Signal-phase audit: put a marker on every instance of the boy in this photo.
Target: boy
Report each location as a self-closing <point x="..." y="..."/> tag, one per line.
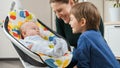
<point x="92" y="50"/>
<point x="33" y="39"/>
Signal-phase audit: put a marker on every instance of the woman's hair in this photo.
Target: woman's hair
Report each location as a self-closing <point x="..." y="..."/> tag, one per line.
<point x="88" y="11"/>
<point x="62" y="1"/>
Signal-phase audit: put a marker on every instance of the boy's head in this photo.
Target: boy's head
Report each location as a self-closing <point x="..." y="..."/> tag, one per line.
<point x="84" y="16"/>
<point x="62" y="1"/>
<point x="29" y="29"/>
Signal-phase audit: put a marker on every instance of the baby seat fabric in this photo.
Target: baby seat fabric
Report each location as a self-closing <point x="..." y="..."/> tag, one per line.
<point x="11" y="28"/>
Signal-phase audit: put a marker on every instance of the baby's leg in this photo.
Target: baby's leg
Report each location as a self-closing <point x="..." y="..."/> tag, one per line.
<point x="61" y="45"/>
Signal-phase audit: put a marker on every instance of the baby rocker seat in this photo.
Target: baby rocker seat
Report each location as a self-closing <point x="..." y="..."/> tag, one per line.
<point x="11" y="27"/>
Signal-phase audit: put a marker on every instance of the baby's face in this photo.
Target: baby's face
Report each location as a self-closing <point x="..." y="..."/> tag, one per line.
<point x="32" y="29"/>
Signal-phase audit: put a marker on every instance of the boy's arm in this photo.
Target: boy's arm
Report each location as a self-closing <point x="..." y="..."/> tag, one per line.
<point x="82" y="53"/>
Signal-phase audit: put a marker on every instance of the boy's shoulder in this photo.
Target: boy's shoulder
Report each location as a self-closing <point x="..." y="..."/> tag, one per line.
<point x="90" y="34"/>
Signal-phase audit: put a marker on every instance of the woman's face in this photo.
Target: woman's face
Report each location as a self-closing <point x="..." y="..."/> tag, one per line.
<point x="62" y="10"/>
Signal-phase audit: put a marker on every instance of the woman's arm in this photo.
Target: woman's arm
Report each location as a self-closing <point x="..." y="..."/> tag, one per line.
<point x="101" y="27"/>
<point x="60" y="27"/>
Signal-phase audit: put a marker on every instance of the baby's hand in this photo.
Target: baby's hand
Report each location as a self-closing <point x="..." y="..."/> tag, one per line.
<point x="60" y="43"/>
<point x="30" y="46"/>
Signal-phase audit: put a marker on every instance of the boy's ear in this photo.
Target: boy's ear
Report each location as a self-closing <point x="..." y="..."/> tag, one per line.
<point x="83" y="21"/>
<point x="71" y="2"/>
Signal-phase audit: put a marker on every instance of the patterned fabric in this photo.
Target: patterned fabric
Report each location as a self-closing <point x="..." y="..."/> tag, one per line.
<point x="17" y="18"/>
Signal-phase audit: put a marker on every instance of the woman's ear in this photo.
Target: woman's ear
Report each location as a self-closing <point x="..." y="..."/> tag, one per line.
<point x="71" y="2"/>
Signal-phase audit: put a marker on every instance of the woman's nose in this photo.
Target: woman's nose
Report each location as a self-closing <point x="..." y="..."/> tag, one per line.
<point x="58" y="15"/>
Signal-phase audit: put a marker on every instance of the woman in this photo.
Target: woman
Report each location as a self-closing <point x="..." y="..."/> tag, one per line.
<point x="62" y="10"/>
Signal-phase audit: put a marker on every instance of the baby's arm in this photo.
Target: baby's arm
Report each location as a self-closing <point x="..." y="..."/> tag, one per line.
<point x="29" y="46"/>
<point x="26" y="44"/>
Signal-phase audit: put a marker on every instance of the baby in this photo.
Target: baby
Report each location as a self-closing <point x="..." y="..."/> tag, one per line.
<point x="33" y="39"/>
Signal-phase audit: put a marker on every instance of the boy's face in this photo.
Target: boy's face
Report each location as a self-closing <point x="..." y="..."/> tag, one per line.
<point x="31" y="29"/>
<point x="77" y="27"/>
<point x="62" y="10"/>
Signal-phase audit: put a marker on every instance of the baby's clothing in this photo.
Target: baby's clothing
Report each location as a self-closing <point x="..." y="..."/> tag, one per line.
<point x="56" y="48"/>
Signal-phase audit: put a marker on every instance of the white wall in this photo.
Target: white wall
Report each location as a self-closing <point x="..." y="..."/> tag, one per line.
<point x="6" y="48"/>
<point x="107" y="5"/>
<point x="5" y="7"/>
<point x="41" y="9"/>
<point x="100" y="5"/>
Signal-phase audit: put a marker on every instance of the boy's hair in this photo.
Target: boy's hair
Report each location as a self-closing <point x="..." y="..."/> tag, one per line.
<point x="88" y="11"/>
<point x="62" y="1"/>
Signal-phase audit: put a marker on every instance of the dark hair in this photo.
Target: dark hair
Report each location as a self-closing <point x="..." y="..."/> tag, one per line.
<point x="88" y="11"/>
<point x="62" y="1"/>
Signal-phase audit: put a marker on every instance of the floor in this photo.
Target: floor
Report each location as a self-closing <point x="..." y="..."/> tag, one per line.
<point x="10" y="63"/>
<point x="15" y="63"/>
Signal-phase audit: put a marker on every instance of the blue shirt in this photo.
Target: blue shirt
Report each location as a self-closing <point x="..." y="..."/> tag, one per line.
<point x="93" y="52"/>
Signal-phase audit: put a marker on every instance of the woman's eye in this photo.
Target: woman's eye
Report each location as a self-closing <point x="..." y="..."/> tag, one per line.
<point x="33" y="28"/>
<point x="59" y="10"/>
